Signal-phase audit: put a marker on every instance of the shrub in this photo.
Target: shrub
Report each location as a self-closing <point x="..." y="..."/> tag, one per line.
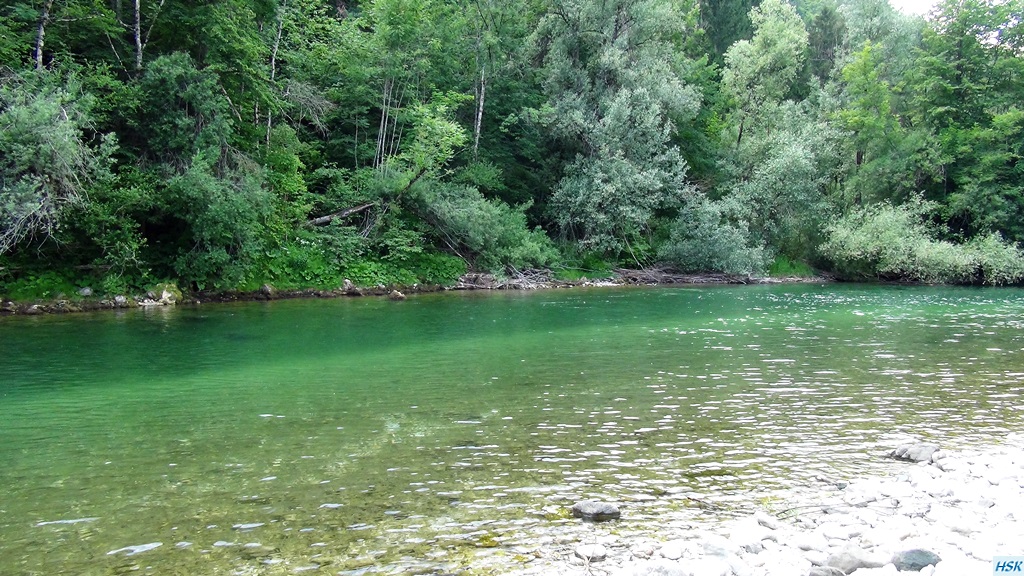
<point x="489" y="232"/>
<point x="703" y="239"/>
<point x="898" y="243"/>
<point x="225" y="212"/>
<point x="998" y="261"/>
<point x="46" y="161"/>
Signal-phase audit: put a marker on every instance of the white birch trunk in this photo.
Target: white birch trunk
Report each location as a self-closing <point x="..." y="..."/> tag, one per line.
<point x="44" y="19"/>
<point x="273" y="62"/>
<point x="481" y="93"/>
<point x="385" y="121"/>
<point x="138" y="35"/>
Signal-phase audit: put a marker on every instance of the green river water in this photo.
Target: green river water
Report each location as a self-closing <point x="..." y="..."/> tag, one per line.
<point x="363" y="436"/>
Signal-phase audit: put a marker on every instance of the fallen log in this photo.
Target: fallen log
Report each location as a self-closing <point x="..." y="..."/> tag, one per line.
<point x="323" y="220"/>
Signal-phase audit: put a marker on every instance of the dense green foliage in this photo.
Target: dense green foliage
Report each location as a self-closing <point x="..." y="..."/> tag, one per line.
<point x="227" y="144"/>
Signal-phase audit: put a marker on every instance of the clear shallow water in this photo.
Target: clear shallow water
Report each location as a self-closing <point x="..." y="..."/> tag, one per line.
<point x="363" y="434"/>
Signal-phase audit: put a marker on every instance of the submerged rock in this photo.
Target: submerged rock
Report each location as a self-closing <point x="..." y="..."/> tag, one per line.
<point x="595" y="511"/>
<point x="71" y="521"/>
<point x="137" y="549"/>
<point x="255" y="550"/>
<point x="396" y="295"/>
<point x="915" y="560"/>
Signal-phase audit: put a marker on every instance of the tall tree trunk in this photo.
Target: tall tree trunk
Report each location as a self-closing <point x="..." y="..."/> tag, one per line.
<point x="396" y="133"/>
<point x="142" y="39"/>
<point x="479" y="110"/>
<point x="273" y="61"/>
<point x="385" y="121"/>
<point x="138" y="35"/>
<point x="44" y="19"/>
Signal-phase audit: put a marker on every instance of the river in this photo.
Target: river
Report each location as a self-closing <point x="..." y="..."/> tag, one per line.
<point x="365" y="436"/>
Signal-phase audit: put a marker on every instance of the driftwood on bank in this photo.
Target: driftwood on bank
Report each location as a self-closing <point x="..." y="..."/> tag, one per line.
<point x="537" y="279"/>
<point x="518" y="280"/>
<point x="669" y="276"/>
<point x="530" y="279"/>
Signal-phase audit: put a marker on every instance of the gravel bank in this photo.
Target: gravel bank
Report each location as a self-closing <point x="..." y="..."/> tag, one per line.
<point x="947" y="515"/>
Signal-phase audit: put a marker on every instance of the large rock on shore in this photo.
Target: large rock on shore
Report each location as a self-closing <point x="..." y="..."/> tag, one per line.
<point x="915" y="452"/>
<point x="351" y="289"/>
<point x="168" y="293"/>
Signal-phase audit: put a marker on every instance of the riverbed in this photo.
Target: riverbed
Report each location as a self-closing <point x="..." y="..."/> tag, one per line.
<point x="453" y="430"/>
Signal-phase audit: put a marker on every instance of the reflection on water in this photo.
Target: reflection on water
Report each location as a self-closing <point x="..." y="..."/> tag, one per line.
<point x="380" y="437"/>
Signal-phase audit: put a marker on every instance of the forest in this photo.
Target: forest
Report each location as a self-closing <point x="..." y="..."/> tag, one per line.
<point x="227" y="144"/>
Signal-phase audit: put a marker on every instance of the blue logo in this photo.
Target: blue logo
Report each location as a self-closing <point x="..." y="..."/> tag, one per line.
<point x="1008" y="565"/>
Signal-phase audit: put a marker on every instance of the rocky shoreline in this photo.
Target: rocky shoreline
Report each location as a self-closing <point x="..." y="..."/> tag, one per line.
<point x="941" y="514"/>
<point x="171" y="295"/>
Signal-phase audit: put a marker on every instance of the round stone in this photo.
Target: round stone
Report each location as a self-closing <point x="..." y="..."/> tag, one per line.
<point x="595" y="511"/>
<point x="591" y="552"/>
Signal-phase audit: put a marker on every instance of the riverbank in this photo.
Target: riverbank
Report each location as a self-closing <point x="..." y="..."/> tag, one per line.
<point x="170" y="295"/>
<point x="947" y="514"/>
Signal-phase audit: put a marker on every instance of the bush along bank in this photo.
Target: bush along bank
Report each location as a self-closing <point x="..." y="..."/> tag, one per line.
<point x="943" y="513"/>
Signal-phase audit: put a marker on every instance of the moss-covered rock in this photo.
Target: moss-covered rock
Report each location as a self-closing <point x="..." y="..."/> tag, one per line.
<point x="167" y="293"/>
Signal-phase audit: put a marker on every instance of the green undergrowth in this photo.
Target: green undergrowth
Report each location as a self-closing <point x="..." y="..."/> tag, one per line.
<point x="297" y="271"/>
<point x="783" y="267"/>
<point x="578" y="266"/>
<point x="37" y="285"/>
<point x="432" y="269"/>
